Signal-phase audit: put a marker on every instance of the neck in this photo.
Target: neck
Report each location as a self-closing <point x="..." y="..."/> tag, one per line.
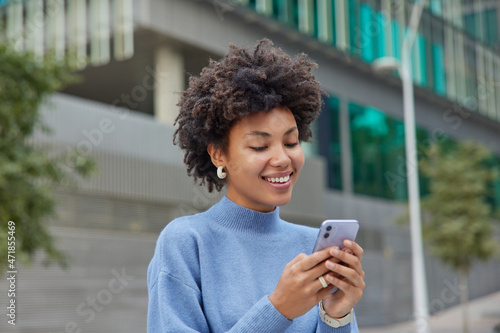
<point x="234" y="216"/>
<point x="237" y="199"/>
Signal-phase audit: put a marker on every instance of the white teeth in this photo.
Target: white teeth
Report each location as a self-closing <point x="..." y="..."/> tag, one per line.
<point x="278" y="180"/>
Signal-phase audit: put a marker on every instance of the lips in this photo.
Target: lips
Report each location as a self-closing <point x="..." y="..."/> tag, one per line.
<point x="278" y="179"/>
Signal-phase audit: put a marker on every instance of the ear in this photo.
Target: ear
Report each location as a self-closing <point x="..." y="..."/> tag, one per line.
<point x="217" y="156"/>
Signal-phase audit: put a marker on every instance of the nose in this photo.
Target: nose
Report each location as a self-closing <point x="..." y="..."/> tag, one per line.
<point x="280" y="158"/>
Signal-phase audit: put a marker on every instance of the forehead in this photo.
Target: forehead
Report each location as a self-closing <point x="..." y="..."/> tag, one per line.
<point x="279" y="119"/>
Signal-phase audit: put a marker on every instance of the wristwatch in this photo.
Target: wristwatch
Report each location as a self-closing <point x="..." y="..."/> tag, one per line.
<point x="332" y="321"/>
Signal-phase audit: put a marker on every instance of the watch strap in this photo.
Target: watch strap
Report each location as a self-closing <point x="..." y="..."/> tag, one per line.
<point x="334" y="322"/>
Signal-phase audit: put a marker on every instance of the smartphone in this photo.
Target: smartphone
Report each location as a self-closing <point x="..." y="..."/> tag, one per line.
<point x="334" y="232"/>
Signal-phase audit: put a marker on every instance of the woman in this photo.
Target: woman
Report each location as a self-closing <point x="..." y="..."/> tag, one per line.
<point x="238" y="267"/>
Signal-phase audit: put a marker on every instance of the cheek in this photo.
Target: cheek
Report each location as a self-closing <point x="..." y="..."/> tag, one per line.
<point x="298" y="159"/>
<point x="245" y="164"/>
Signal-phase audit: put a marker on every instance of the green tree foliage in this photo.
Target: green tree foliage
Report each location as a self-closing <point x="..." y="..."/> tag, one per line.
<point x="457" y="219"/>
<point x="28" y="174"/>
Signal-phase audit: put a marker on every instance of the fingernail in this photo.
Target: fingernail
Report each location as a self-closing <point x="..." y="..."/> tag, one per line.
<point x="348" y="251"/>
<point x="330" y="265"/>
<point x="335" y="251"/>
<point x="348" y="243"/>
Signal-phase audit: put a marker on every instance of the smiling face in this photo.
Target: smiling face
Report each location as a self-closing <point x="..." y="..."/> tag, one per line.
<point x="263" y="161"/>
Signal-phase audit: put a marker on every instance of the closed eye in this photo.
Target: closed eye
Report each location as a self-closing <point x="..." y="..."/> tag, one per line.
<point x="258" y="148"/>
<point x="291" y="144"/>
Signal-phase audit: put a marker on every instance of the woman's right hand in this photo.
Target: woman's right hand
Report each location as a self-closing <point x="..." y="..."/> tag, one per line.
<point x="298" y="289"/>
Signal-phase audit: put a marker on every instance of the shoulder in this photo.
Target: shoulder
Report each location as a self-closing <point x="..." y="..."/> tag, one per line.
<point x="180" y="238"/>
<point x="177" y="247"/>
<point x="181" y="231"/>
<point x="177" y="251"/>
<point x="183" y="225"/>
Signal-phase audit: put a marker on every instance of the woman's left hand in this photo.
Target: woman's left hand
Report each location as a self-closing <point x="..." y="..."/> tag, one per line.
<point x="348" y="276"/>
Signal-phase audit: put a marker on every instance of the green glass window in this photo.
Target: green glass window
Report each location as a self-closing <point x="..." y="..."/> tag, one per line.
<point x="437" y="51"/>
<point x="494" y="191"/>
<point x="470" y="67"/>
<point x="438" y="69"/>
<point x="491" y="27"/>
<point x="396" y="45"/>
<point x="470" y="24"/>
<point x="423" y="60"/>
<point x="354" y="32"/>
<point x="329" y="141"/>
<point x="286" y="12"/>
<point x="382" y="23"/>
<point x="307" y="17"/>
<point x="378" y="154"/>
<point x="496" y="186"/>
<point x="419" y="61"/>
<point x="334" y="28"/>
<point x="435" y="6"/>
<point x="366" y="35"/>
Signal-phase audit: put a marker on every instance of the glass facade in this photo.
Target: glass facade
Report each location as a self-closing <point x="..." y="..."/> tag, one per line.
<point x="483" y="25"/>
<point x="378" y="153"/>
<point x="377" y="149"/>
<point x="454" y="51"/>
<point x="453" y="56"/>
<point x="81" y="30"/>
<point x="328" y="129"/>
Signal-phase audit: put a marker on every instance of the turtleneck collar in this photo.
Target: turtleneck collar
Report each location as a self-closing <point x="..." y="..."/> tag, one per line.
<point x="234" y="216"/>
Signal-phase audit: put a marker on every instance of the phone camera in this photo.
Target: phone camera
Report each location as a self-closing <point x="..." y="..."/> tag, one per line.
<point x="326" y="235"/>
<point x="329" y="228"/>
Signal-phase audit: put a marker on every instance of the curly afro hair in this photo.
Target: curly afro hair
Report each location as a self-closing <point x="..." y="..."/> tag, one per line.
<point x="244" y="81"/>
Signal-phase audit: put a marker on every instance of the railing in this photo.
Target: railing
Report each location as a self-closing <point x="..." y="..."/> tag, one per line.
<point x="446" y="59"/>
<point x="84" y="29"/>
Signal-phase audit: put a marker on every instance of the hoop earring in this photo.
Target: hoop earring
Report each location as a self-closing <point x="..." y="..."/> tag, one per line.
<point x="220" y="173"/>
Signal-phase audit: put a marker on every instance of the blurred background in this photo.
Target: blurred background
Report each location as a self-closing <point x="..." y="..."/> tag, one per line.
<point x="133" y="56"/>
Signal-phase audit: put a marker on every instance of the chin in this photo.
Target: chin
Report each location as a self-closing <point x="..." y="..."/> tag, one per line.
<point x="282" y="201"/>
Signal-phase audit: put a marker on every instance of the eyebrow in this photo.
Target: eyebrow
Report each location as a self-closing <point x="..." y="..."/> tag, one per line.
<point x="267" y="135"/>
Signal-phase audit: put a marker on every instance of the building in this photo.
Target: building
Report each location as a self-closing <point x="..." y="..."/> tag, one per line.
<point x="136" y="54"/>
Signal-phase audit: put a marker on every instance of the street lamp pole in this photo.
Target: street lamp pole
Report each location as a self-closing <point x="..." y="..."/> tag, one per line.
<point x="418" y="267"/>
<point x="420" y="301"/>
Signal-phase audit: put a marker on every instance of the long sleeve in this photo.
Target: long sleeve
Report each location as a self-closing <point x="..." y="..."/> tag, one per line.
<point x="214" y="272"/>
<point x="175" y="301"/>
<point x="180" y="310"/>
<point x="176" y="308"/>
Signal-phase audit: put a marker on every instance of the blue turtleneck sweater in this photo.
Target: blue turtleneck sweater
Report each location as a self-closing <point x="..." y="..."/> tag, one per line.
<point x="214" y="272"/>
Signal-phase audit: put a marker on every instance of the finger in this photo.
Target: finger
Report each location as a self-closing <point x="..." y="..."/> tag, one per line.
<point x="348" y="289"/>
<point x="297" y="259"/>
<point x="354" y="247"/>
<point x="323" y="292"/>
<point x="349" y="259"/>
<point x="314" y="259"/>
<point x="347" y="274"/>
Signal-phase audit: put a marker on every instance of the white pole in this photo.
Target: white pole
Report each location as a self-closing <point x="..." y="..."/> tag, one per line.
<point x="418" y="267"/>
